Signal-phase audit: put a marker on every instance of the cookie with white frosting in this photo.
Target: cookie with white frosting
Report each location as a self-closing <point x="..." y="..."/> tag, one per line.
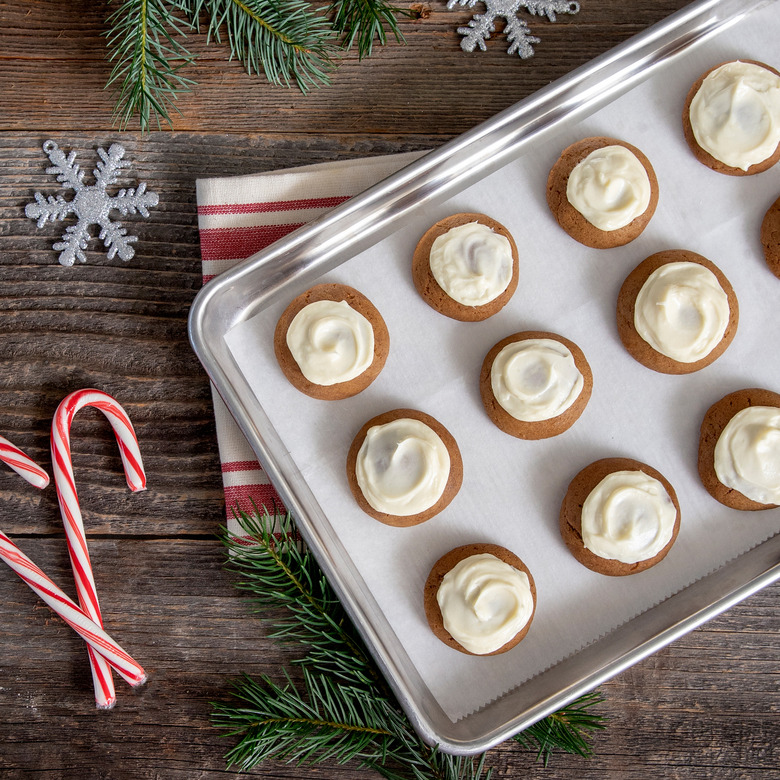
<point x="677" y="312"/>
<point x="480" y="599"/>
<point x="466" y="267"/>
<point x="404" y="467"/>
<point x="535" y="384"/>
<point x="602" y="192"/>
<point x="770" y="237"/>
<point x="731" y="118"/>
<point x="619" y="516"/>
<point x="739" y="449"/>
<point x="331" y="342"/>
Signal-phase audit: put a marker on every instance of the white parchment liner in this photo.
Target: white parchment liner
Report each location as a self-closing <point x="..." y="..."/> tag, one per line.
<point x="512" y="489"/>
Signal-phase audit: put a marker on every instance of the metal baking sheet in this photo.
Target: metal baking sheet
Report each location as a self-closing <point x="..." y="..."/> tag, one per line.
<point x="297" y="261"/>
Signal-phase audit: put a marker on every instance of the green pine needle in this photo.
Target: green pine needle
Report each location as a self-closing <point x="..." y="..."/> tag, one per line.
<point x="342" y="710"/>
<point x="365" y="21"/>
<point x="147" y="60"/>
<point x="291" y="42"/>
<point x="567" y="730"/>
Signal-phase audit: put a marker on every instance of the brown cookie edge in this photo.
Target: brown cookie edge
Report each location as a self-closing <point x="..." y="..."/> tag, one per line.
<point x="445" y="564"/>
<point x="454" y="481"/>
<point x="570" y="518"/>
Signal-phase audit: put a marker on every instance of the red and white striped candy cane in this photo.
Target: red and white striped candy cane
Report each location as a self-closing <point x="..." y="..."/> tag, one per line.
<point x="71" y="512"/>
<point x="75" y="617"/>
<point x="23" y="465"/>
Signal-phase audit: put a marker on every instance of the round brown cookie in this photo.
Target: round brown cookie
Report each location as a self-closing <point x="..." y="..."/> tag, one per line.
<point x="571" y="515"/>
<point x="454" y="480"/>
<point x="636" y="345"/>
<point x="705" y="157"/>
<point x="770" y="237"/>
<point x="361" y="304"/>
<point x="448" y="562"/>
<point x="571" y="220"/>
<point x="715" y="420"/>
<point x="542" y="429"/>
<point x="430" y="290"/>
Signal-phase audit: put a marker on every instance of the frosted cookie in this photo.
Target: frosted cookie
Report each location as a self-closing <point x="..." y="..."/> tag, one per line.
<point x="535" y="384"/>
<point x="602" y="192"/>
<point x="676" y="312"/>
<point x="331" y="342"/>
<point x="739" y="449"/>
<point x="404" y="467"/>
<point x="770" y="237"/>
<point x="480" y="599"/>
<point x="619" y="516"/>
<point x="731" y="118"/>
<point x="466" y="267"/>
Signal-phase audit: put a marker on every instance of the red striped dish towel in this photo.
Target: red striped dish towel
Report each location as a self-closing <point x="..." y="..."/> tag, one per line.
<point x="240" y="215"/>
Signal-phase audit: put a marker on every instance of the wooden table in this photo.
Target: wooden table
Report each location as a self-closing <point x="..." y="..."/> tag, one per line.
<point x="707" y="706"/>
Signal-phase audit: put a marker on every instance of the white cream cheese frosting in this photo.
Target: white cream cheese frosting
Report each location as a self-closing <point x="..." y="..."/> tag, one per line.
<point x="747" y="454"/>
<point x="402" y="467"/>
<point x="535" y="379"/>
<point x="484" y="602"/>
<point x="472" y="263"/>
<point x="735" y="114"/>
<point x="331" y="342"/>
<point x="610" y="187"/>
<point x="628" y="517"/>
<point x="682" y="311"/>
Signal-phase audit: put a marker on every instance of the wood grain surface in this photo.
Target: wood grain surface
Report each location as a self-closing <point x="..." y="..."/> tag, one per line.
<point x="705" y="707"/>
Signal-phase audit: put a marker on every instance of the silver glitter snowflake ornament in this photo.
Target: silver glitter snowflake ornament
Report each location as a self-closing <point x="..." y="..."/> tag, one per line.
<point x="92" y="204"/>
<point x="517" y="31"/>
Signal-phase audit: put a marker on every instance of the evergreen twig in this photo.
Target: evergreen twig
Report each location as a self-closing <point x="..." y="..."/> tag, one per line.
<point x="342" y="709"/>
<point x="292" y="42"/>
<point x="144" y="43"/>
<point x="365" y="21"/>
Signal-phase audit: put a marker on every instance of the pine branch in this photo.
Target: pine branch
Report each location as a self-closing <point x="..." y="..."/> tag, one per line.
<point x="290" y="42"/>
<point x="281" y="572"/>
<point x="365" y="21"/>
<point x="147" y="60"/>
<point x="567" y="730"/>
<point x="344" y="710"/>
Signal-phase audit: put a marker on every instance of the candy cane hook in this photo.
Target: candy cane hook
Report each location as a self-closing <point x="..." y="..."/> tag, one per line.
<point x="64" y="481"/>
<point x="22" y="464"/>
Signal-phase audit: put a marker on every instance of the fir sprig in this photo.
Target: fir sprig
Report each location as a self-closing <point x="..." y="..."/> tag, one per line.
<point x="292" y="42"/>
<point x="144" y="42"/>
<point x="364" y="21"/>
<point x="341" y="710"/>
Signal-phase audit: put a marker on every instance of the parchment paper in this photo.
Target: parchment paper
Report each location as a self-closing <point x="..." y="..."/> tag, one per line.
<point x="512" y="489"/>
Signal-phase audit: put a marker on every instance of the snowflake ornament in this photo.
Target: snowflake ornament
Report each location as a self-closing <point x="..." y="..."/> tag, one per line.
<point x="517" y="31"/>
<point x="92" y="204"/>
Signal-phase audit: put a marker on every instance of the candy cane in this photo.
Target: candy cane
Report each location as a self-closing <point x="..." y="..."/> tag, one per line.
<point x="22" y="465"/>
<point x="71" y="512"/>
<point x="75" y="617"/>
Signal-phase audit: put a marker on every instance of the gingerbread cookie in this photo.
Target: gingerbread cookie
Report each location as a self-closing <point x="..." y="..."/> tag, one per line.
<point x="677" y="312"/>
<point x="535" y="384"/>
<point x="619" y="516"/>
<point x="404" y="467"/>
<point x="331" y="342"/>
<point x="506" y="608"/>
<point x="466" y="267"/>
<point x="737" y="463"/>
<point x="770" y="237"/>
<point x="726" y="116"/>
<point x="602" y="192"/>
